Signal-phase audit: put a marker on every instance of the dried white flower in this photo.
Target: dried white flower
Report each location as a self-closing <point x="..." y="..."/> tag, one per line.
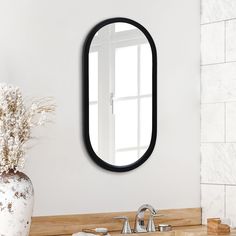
<point x="16" y="122"/>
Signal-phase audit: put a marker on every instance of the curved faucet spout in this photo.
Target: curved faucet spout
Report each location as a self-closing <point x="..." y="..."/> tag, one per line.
<point x="145" y="207"/>
<point x="139" y="219"/>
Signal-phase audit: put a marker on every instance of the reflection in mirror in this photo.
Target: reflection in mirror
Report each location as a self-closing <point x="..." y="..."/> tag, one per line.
<point x="120" y="94"/>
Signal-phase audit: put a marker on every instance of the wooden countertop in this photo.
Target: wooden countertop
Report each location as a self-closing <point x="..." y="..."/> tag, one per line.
<point x="65" y="225"/>
<point x="199" y="230"/>
<point x="185" y="222"/>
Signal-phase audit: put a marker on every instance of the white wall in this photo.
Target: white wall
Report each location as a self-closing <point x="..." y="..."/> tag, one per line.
<point x="41" y="43"/>
<point x="218" y="66"/>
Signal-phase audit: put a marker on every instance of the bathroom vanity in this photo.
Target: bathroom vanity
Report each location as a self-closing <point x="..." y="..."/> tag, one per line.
<point x="185" y="222"/>
<point x="199" y="230"/>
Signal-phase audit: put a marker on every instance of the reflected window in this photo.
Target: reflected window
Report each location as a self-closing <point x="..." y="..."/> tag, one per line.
<point x="120" y="90"/>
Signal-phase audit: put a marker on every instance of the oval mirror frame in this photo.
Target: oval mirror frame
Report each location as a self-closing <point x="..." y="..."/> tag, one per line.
<point x="85" y="87"/>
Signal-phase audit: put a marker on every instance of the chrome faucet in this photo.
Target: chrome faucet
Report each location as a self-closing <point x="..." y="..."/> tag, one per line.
<point x="139" y="226"/>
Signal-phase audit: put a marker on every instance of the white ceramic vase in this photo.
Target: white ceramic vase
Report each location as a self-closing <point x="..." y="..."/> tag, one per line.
<point x="16" y="204"/>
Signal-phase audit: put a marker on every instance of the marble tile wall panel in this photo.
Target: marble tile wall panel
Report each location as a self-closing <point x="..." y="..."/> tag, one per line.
<point x="217" y="10"/>
<point x="212" y="43"/>
<point x="212" y="201"/>
<point x="230" y="116"/>
<point x="230" y="37"/>
<point x="218" y="163"/>
<point x="218" y="83"/>
<point x="230" y="204"/>
<point x="213" y="122"/>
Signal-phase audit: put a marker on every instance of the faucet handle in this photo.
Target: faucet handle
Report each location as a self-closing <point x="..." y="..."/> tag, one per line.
<point x="151" y="224"/>
<point x="126" y="226"/>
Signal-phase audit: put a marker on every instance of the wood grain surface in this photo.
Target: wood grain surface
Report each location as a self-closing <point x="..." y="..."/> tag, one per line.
<point x="68" y="224"/>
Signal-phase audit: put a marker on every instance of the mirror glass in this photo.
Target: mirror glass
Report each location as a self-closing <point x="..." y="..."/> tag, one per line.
<point x="120" y="89"/>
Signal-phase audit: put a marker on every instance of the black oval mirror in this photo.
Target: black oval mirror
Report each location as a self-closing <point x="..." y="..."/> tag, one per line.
<point x="120" y="94"/>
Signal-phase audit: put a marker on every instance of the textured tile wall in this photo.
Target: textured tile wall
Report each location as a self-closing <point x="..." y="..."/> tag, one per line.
<point x="218" y="109"/>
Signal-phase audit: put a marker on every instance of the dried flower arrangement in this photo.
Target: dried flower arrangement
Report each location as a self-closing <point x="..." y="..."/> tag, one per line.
<point x="16" y="123"/>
